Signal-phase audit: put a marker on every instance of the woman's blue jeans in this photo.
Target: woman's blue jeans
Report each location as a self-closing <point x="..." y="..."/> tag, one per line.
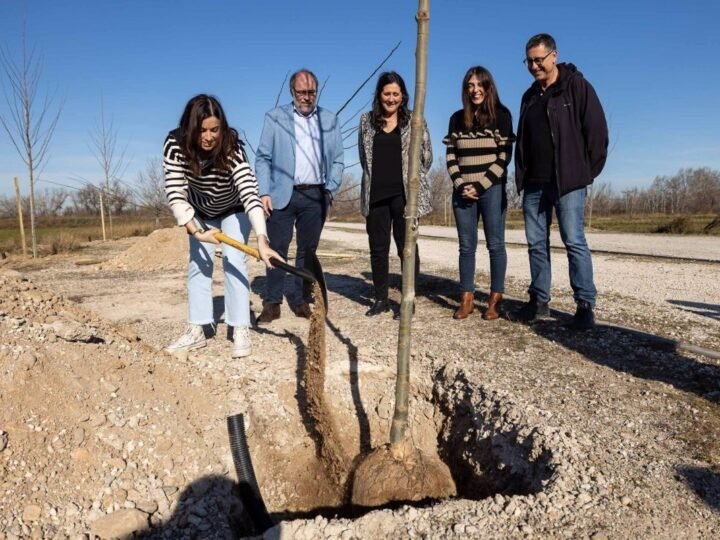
<point x="492" y="206"/>
<point x="538" y="203"/>
<point x="200" y="271"/>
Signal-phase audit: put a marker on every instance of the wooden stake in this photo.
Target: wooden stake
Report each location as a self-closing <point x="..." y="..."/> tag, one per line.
<point x="20" y="217"/>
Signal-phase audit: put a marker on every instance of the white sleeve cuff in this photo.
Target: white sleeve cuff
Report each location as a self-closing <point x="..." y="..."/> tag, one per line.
<point x="257" y="219"/>
<point x="183" y="213"/>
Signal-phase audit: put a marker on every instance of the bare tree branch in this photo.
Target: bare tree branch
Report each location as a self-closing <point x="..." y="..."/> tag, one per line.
<point x="369" y="77"/>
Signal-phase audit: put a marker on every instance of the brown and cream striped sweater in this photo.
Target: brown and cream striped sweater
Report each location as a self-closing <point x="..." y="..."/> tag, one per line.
<point x="479" y="156"/>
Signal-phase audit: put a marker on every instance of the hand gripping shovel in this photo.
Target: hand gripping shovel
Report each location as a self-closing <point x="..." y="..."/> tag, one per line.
<point x="311" y="273"/>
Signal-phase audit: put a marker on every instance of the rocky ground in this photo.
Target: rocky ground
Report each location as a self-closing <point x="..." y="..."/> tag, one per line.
<point x="547" y="432"/>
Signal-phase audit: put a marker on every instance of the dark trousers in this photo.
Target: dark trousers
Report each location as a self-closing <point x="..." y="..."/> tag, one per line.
<point x="386" y="216"/>
<point x="305" y="212"/>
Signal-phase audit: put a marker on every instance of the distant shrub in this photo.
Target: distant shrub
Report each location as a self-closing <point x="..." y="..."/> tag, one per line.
<point x="679" y="225"/>
<point x="62" y="243"/>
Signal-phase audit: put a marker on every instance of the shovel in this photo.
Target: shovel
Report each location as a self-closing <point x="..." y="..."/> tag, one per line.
<point x="311" y="274"/>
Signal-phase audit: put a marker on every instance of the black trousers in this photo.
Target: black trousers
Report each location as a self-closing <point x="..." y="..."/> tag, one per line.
<point x="384" y="217"/>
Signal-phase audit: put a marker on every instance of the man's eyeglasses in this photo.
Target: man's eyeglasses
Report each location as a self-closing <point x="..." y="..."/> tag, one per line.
<point x="537" y="61"/>
<point x="305" y="93"/>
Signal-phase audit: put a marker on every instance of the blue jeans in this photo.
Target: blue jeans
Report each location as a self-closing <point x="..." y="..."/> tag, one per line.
<point x="200" y="270"/>
<point x="538" y="203"/>
<point x="306" y="213"/>
<point x="492" y="206"/>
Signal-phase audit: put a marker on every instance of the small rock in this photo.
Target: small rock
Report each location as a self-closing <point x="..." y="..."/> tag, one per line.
<point x="120" y="524"/>
<point x="626" y="501"/>
<point x="149" y="507"/>
<point x="31" y="512"/>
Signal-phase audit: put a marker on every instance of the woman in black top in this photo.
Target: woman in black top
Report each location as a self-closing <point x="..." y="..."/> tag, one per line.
<point x="384" y="144"/>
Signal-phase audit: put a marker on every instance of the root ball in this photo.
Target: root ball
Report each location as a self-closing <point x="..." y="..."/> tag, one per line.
<point x="400" y="473"/>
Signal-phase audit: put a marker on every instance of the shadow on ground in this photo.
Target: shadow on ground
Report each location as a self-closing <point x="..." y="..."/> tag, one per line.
<point x="635" y="353"/>
<point x="712" y="311"/>
<point x="705" y="482"/>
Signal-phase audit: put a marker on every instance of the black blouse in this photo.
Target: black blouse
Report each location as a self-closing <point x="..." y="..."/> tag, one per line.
<point x="386" y="181"/>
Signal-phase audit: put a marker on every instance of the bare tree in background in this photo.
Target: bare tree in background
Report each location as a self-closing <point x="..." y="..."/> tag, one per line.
<point x="112" y="162"/>
<point x="346" y="204"/>
<point x="440" y="193"/>
<point x="151" y="189"/>
<point x="514" y="199"/>
<point x="86" y="200"/>
<point x="30" y="123"/>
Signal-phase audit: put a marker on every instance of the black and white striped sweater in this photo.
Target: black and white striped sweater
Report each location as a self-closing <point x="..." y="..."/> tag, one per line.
<point x="479" y="156"/>
<point x="213" y="193"/>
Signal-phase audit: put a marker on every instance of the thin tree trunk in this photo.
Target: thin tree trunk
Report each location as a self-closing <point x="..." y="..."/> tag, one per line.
<point x="18" y="200"/>
<point x="102" y="216"/>
<point x="399" y="426"/>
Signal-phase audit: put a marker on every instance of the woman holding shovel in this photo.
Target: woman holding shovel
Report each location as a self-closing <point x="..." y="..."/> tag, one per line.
<point x="479" y="147"/>
<point x="211" y="188"/>
<point x="384" y="144"/>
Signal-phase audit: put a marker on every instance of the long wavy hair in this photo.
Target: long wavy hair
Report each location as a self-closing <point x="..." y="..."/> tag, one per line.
<point x="200" y="108"/>
<point x="390" y="77"/>
<point x="485" y="114"/>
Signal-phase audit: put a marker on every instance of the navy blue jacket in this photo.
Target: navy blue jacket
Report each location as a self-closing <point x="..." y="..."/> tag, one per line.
<point x="578" y="127"/>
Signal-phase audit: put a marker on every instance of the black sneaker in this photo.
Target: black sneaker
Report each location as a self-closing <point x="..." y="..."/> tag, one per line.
<point x="378" y="307"/>
<point x="530" y="312"/>
<point x="584" y="318"/>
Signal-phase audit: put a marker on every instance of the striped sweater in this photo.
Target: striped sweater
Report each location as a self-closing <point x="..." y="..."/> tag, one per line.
<point x="479" y="156"/>
<point x="213" y="193"/>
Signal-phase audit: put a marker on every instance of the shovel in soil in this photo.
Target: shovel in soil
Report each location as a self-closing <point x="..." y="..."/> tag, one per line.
<point x="312" y="272"/>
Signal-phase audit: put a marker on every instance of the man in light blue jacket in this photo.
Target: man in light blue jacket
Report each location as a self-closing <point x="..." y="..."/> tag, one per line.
<point x="299" y="165"/>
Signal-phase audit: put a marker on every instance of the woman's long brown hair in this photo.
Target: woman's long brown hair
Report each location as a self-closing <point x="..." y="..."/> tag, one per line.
<point x="485" y="114"/>
<point x="200" y="108"/>
<point x="390" y="77"/>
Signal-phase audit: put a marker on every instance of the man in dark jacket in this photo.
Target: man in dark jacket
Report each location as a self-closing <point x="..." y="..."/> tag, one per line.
<point x="561" y="148"/>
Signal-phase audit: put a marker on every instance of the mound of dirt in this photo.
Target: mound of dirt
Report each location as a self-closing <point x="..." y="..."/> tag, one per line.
<point x="164" y="249"/>
<point x="94" y="435"/>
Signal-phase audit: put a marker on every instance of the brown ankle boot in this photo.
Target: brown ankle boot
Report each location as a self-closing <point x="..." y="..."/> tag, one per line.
<point x="466" y="305"/>
<point x="493" y="310"/>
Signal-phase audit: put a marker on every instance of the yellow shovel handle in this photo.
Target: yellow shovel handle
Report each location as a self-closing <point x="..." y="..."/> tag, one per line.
<point x="220" y="237"/>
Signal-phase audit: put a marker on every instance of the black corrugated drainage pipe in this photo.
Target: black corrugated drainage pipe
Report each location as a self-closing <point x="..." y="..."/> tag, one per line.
<point x="249" y="490"/>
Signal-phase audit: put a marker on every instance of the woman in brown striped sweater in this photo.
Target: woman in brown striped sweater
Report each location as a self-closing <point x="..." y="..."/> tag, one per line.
<point x="479" y="148"/>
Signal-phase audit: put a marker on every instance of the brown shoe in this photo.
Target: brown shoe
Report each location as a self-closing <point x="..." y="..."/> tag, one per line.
<point x="269" y="313"/>
<point x="493" y="309"/>
<point x="303" y="310"/>
<point x="466" y="305"/>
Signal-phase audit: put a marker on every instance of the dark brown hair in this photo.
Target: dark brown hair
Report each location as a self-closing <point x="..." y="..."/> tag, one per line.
<point x="485" y="114"/>
<point x="198" y="109"/>
<point x="390" y="77"/>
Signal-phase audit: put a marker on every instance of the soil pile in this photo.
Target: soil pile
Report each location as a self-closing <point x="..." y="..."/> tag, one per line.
<point x="164" y="249"/>
<point x="93" y="433"/>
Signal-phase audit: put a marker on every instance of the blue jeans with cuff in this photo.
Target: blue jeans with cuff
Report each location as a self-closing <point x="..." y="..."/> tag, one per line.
<point x="200" y="271"/>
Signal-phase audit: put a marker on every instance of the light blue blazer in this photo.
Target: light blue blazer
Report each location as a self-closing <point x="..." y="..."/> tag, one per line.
<point x="275" y="156"/>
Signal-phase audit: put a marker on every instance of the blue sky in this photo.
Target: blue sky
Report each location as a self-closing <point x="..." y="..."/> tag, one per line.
<point x="653" y="63"/>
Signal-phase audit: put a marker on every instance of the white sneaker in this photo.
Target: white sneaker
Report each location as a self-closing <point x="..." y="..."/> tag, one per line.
<point x="193" y="338"/>
<point x="241" y="342"/>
